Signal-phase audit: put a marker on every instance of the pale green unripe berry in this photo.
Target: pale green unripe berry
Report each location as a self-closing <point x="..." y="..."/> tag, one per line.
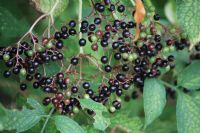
<point x="86" y="96"/>
<point x="112" y="109"/>
<point x="125" y="55"/>
<point x="93" y="38"/>
<point x="23" y="72"/>
<point x="6" y="57"/>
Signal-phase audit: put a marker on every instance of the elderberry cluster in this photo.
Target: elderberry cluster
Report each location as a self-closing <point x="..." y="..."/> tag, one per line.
<point x="123" y="63"/>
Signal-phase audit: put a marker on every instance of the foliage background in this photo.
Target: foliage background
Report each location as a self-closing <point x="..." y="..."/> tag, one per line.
<point x="17" y="16"/>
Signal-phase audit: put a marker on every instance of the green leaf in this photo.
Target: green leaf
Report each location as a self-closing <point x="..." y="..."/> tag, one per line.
<point x="24" y="119"/>
<point x="100" y="122"/>
<point x="51" y="68"/>
<point x="35" y="105"/>
<point x="187" y="114"/>
<point x="67" y="125"/>
<point x="8" y="24"/>
<point x="154" y="100"/>
<point x="189" y="77"/>
<point x="188" y="18"/>
<point x="46" y="5"/>
<point x="182" y="59"/>
<point x="130" y="124"/>
<point x="159" y="126"/>
<point x="90" y="129"/>
<point x="170" y="11"/>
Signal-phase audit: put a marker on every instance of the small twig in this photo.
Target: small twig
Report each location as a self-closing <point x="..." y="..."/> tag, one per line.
<point x="169" y="85"/>
<point x="94" y="62"/>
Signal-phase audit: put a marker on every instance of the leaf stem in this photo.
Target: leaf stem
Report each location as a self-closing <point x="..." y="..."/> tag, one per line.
<point x="169" y="85"/>
<point x="47" y="119"/>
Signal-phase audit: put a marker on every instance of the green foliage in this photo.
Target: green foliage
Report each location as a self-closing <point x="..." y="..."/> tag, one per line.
<point x="22" y="120"/>
<point x="131" y="124"/>
<point x="15" y="19"/>
<point x="154" y="100"/>
<point x="182" y="59"/>
<point x="187" y="114"/>
<point x="46" y="5"/>
<point x="196" y="96"/>
<point x="8" y="26"/>
<point x="170" y="8"/>
<point x="67" y="125"/>
<point x="100" y="122"/>
<point x="90" y="129"/>
<point x="189" y="77"/>
<point x="188" y="17"/>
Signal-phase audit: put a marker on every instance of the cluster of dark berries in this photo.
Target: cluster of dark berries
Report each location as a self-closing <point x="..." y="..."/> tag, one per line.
<point x="124" y="62"/>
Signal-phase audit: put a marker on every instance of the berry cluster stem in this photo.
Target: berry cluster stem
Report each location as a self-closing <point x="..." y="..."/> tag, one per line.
<point x="38" y="20"/>
<point x="79" y="20"/>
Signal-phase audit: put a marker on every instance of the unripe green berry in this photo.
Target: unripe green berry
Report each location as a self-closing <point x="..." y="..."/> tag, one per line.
<point x="49" y="45"/>
<point x="130" y="58"/>
<point x="135" y="56"/>
<point x="152" y="60"/>
<point x="125" y="55"/>
<point x="119" y="99"/>
<point x="30" y="53"/>
<point x="167" y="68"/>
<point x="166" y="50"/>
<point x="39" y="48"/>
<point x="93" y="38"/>
<point x="6" y="57"/>
<point x="68" y="93"/>
<point x="140" y="44"/>
<point x="75" y="110"/>
<point x="143" y="35"/>
<point x="23" y="72"/>
<point x="112" y="109"/>
<point x="86" y="96"/>
<point x="172" y="48"/>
